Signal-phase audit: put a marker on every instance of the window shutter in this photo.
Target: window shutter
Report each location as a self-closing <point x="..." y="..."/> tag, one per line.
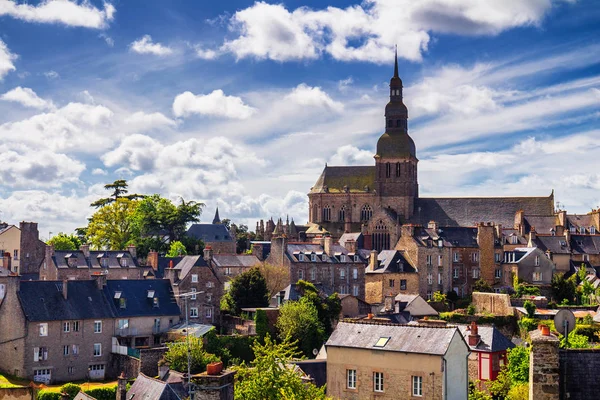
<point x="36" y="354"/>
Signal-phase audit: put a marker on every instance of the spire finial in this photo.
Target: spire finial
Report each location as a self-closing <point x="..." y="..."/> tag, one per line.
<point x="396" y="63"/>
<point x="216" y="219"/>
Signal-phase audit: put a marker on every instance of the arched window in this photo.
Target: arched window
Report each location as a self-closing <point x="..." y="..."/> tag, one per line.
<point x="316" y="213"/>
<point x="366" y="213"/>
<point x="326" y="214"/>
<point x="397" y="169"/>
<point x="381" y="237"/>
<point x="399" y="123"/>
<point x="388" y="170"/>
<point x="390" y="123"/>
<point x="342" y="214"/>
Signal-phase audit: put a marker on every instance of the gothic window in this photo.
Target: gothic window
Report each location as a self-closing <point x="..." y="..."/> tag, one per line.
<point x="397" y="169"/>
<point x="390" y="123"/>
<point x="366" y="213"/>
<point x="316" y="214"/>
<point x="342" y="214"/>
<point x="388" y="170"/>
<point x="326" y="214"/>
<point x="381" y="237"/>
<point x="399" y="123"/>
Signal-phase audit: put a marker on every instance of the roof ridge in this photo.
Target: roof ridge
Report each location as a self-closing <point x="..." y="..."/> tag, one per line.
<point x="152" y="379"/>
<point x="381" y="323"/>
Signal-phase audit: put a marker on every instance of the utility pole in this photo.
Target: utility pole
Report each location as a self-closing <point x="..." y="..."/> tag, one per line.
<point x="186" y="296"/>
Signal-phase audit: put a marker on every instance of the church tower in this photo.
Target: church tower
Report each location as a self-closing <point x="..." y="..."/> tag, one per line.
<point x="396" y="160"/>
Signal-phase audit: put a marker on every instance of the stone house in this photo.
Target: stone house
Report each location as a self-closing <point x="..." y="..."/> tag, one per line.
<point x="323" y="262"/>
<point x="84" y="263"/>
<point x="228" y="266"/>
<point x="24" y="246"/>
<point x="389" y="273"/>
<point x="530" y="264"/>
<point x="194" y="276"/>
<point x="368" y="360"/>
<point x="215" y="235"/>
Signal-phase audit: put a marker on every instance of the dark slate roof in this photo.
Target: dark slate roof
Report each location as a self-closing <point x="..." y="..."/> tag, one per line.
<point x="585" y="244"/>
<point x="459" y="236"/>
<point x="44" y="301"/>
<point x="164" y="263"/>
<point x="542" y="223"/>
<point x="64" y="259"/>
<point x="297" y="248"/>
<point x="316" y="369"/>
<point x="265" y="248"/>
<point x="584" y="221"/>
<point x="138" y="304"/>
<point x="520" y="254"/>
<point x="188" y="262"/>
<point x="292" y="294"/>
<point x="210" y="233"/>
<point x="579" y="374"/>
<point x="34" y="276"/>
<point x="235" y="260"/>
<point x="492" y="340"/>
<point x="356" y="178"/>
<point x="403" y="338"/>
<point x="556" y="244"/>
<point x="469" y="211"/>
<point x="413" y="304"/>
<point x="146" y="388"/>
<point x="391" y="261"/>
<point x="356" y="236"/>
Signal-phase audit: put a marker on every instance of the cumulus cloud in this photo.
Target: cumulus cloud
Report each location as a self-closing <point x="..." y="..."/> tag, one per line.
<point x="205" y="54"/>
<point x="351" y="155"/>
<point x="51" y="74"/>
<point x="27" y="98"/>
<point x="369" y="31"/>
<point x="99" y="171"/>
<point x="109" y="41"/>
<point x="305" y="95"/>
<point x="215" y="104"/>
<point x="66" y="12"/>
<point x="145" y="45"/>
<point x="142" y="121"/>
<point x="6" y="60"/>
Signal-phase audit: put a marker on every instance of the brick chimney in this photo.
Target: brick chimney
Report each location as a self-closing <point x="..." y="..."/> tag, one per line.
<point x="121" y="387"/>
<point x="100" y="279"/>
<point x="327" y="242"/>
<point x="372" y="261"/>
<point x="152" y="259"/>
<point x="214" y="387"/>
<point x="278" y="249"/>
<point x="544" y="366"/>
<point x="474" y="337"/>
<point x="351" y="246"/>
<point x="85" y="249"/>
<point x="132" y="250"/>
<point x="432" y="225"/>
<point x="389" y="302"/>
<point x="65" y="289"/>
<point x="208" y="253"/>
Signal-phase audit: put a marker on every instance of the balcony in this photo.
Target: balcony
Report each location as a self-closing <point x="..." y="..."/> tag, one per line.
<point x="129" y="331"/>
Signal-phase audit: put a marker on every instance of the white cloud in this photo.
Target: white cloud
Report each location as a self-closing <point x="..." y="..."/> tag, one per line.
<point x="145" y="45"/>
<point x="109" y="41"/>
<point x="215" y="103"/>
<point x="136" y="152"/>
<point x="99" y="171"/>
<point x="6" y="60"/>
<point x="51" y="74"/>
<point x="142" y="121"/>
<point x="66" y="12"/>
<point x="27" y="98"/>
<point x="351" y="155"/>
<point x="344" y="84"/>
<point x="305" y="95"/>
<point x="205" y="54"/>
<point x="274" y="32"/>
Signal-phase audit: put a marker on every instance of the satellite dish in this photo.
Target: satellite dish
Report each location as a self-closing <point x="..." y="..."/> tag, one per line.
<point x="315" y="352"/>
<point x="564" y="322"/>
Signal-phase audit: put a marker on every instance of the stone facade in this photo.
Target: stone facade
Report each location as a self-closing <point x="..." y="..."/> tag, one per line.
<point x="377" y="286"/>
<point x="493" y="303"/>
<point x="544" y="368"/>
<point x="32" y="248"/>
<point x="214" y="387"/>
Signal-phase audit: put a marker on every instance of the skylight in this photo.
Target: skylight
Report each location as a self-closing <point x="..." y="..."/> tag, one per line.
<point x="382" y="341"/>
<point x="117" y="295"/>
<point x="150" y="294"/>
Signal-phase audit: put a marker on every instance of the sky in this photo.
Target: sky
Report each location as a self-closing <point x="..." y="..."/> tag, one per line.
<point x="240" y="104"/>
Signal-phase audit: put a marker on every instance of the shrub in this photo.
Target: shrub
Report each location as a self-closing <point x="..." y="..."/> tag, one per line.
<point x="471" y="309"/>
<point x="48" y="395"/>
<point x="262" y="324"/>
<point x="71" y="389"/>
<point x="530" y="308"/>
<point x="230" y="349"/>
<point x="527" y="325"/>
<point x="103" y="393"/>
<point x="519" y="392"/>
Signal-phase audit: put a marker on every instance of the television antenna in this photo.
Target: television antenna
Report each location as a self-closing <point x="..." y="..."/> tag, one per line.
<point x="564" y="322"/>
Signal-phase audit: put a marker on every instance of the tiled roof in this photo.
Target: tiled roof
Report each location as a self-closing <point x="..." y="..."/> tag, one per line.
<point x="492" y="340"/>
<point x="413" y="304"/>
<point x="543" y="224"/>
<point x="65" y="259"/>
<point x="469" y="211"/>
<point x="83" y="396"/>
<point x="210" y="233"/>
<point x="235" y="260"/>
<point x="44" y="301"/>
<point x="391" y="261"/>
<point x="146" y="388"/>
<point x="402" y="338"/>
<point x="139" y="297"/>
<point x="292" y="294"/>
<point x="460" y="236"/>
<point x="585" y="244"/>
<point x="164" y="263"/>
<point x="356" y="178"/>
<point x="584" y="221"/>
<point x="556" y="244"/>
<point x="520" y="254"/>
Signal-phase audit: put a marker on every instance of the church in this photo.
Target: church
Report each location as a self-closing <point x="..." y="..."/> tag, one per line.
<point x="379" y="199"/>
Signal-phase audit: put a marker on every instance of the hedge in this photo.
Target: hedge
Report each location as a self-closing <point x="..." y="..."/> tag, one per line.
<point x="498" y="320"/>
<point x="103" y="393"/>
<point x="48" y="395"/>
<point x="230" y="349"/>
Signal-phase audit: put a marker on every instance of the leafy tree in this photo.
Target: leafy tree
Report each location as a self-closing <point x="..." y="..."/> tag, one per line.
<point x="119" y="191"/>
<point x="110" y="227"/>
<point x="249" y="289"/>
<point x="439" y="297"/>
<point x="481" y="285"/>
<point x="62" y="241"/>
<point x="269" y="378"/>
<point x="518" y="364"/>
<point x="262" y="324"/>
<point x="177" y="249"/>
<point x="476" y="394"/>
<point x="587" y="290"/>
<point x="530" y="308"/>
<point x="562" y="289"/>
<point x="299" y="321"/>
<point x="328" y="308"/>
<point x="242" y="235"/>
<point x="177" y="355"/>
<point x="277" y="277"/>
<point x="70" y="389"/>
<point x="576" y="341"/>
<point x="519" y="392"/>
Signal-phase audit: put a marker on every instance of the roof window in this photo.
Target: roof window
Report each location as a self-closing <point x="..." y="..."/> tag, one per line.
<point x="382" y="341"/>
<point x="118" y="295"/>
<point x="150" y="294"/>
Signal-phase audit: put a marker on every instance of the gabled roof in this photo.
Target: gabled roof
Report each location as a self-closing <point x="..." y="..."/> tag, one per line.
<point x="391" y="261"/>
<point x="61" y="259"/>
<point x="469" y="211"/>
<point x="146" y="388"/>
<point x="583" y="221"/>
<point x="354" y="236"/>
<point x="139" y="297"/>
<point x="492" y="340"/>
<point x="585" y="244"/>
<point x="210" y="233"/>
<point x="235" y="260"/>
<point x="402" y="338"/>
<point x="291" y="292"/>
<point x="555" y="244"/>
<point x="334" y="179"/>
<point x="413" y="304"/>
<point x="164" y="263"/>
<point x="520" y="254"/>
<point x="83" y="396"/>
<point x="543" y="224"/>
<point x="44" y="301"/>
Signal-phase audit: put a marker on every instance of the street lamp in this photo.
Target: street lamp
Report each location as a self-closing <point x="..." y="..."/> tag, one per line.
<point x="186" y="296"/>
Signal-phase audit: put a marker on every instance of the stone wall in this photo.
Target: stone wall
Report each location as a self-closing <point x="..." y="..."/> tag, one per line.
<point x="23" y="393"/>
<point x="494" y="303"/>
<point x="377" y="285"/>
<point x="32" y="249"/>
<point x="579" y="373"/>
<point x="126" y="364"/>
<point x="543" y="367"/>
<point x="149" y="359"/>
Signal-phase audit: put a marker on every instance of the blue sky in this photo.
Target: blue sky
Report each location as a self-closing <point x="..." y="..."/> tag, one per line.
<point x="241" y="104"/>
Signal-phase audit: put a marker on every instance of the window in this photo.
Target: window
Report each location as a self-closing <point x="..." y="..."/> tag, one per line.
<point x="356" y="258"/>
<point x="208" y="312"/>
<point x="497" y="257"/>
<point x="227" y="271"/>
<point x="439" y="278"/>
<point x="498" y="273"/>
<point x="343" y="258"/>
<point x="123" y="323"/>
<point x="514" y="239"/>
<point x="537" y="261"/>
<point x="313" y="257"/>
<point x="193" y="312"/>
<point x="392" y="282"/>
<point x="429" y="260"/>
<point x="75" y="326"/>
<point x="586" y="257"/>
<point x="397" y="169"/>
<point x="378" y="381"/>
<point x="391" y="121"/>
<point x="455" y="273"/>
<point x="475" y="256"/>
<point x="582" y="230"/>
<point x="97" y="326"/>
<point x="193" y="295"/>
<point x="122" y="302"/>
<point x="300" y="274"/>
<point x="388" y="170"/>
<point x="355" y="290"/>
<point x="402" y="284"/>
<point x="66" y="327"/>
<point x="326" y="213"/>
<point x="342" y="214"/>
<point x="44" y="329"/>
<point x="123" y="262"/>
<point x="75" y="349"/>
<point x="66" y="350"/>
<point x="194" y="278"/>
<point x="440" y="261"/>
<point x="209" y="284"/>
<point x="97" y="349"/>
<point x="475" y="273"/>
<point x="343" y="289"/>
<point x="104" y="262"/>
<point x="300" y="257"/>
<point x="440" y="243"/>
<point x="313" y="274"/>
<point x="343" y="273"/>
<point x="324" y="257"/>
<point x="16" y="255"/>
<point x="351" y="378"/>
<point x="537" y="276"/>
<point x="355" y="273"/>
<point x="429" y="279"/>
<point x="592" y="231"/>
<point x="429" y="295"/>
<point x="366" y="213"/>
<point x="40" y="353"/>
<point x="71" y="370"/>
<point x="455" y="255"/>
<point x="417" y="386"/>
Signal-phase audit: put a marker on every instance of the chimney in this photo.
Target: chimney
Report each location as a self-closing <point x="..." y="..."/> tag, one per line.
<point x="498" y="231"/>
<point x="208" y="253"/>
<point x="65" y="288"/>
<point x="100" y="279"/>
<point x="152" y="259"/>
<point x="372" y="261"/>
<point x="163" y="370"/>
<point x="85" y="249"/>
<point x="327" y="245"/>
<point x="49" y="251"/>
<point x="351" y="246"/>
<point x="532" y="233"/>
<point x="389" y="303"/>
<point x="520" y="222"/>
<point x="278" y="249"/>
<point x="562" y="218"/>
<point x="121" y="387"/>
<point x="474" y="336"/>
<point x="407" y="230"/>
<point x="432" y="225"/>
<point x="132" y="250"/>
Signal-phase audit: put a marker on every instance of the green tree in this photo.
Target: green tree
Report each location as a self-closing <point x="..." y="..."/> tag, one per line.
<point x="119" y="191"/>
<point x="519" y="392"/>
<point x="562" y="289"/>
<point x="587" y="289"/>
<point x="439" y="297"/>
<point x="177" y="249"/>
<point x="262" y="324"/>
<point x="110" y="227"/>
<point x="476" y="394"/>
<point x="70" y="389"/>
<point x="576" y="341"/>
<point x="328" y="307"/>
<point x="269" y="378"/>
<point x="518" y="364"/>
<point x="62" y="241"/>
<point x="249" y="289"/>
<point x="481" y="285"/>
<point x="177" y="355"/>
<point x="299" y="321"/>
<point x="530" y="308"/>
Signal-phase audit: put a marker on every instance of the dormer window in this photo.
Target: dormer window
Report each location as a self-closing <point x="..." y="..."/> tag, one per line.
<point x="440" y="243"/>
<point x="573" y="230"/>
<point x="301" y="257"/>
<point x="592" y="230"/>
<point x="104" y="262"/>
<point x="324" y="257"/>
<point x="118" y="295"/>
<point x="514" y="239"/>
<point x="150" y="294"/>
<point x="582" y="230"/>
<point x="343" y="258"/>
<point x="123" y="262"/>
<point x="155" y="302"/>
<point x="356" y="258"/>
<point x="72" y="261"/>
<point x="313" y="257"/>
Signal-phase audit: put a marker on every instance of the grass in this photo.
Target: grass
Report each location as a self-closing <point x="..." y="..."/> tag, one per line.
<point x="84" y="385"/>
<point x="7" y="381"/>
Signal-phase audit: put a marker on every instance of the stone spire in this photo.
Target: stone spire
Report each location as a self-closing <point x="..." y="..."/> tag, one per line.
<point x="216" y="219"/>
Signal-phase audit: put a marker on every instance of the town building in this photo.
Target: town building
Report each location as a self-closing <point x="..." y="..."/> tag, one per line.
<point x="368" y="360"/>
<point x="529" y="264"/>
<point x="215" y="235"/>
<point x="389" y="273"/>
<point x="24" y="247"/>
